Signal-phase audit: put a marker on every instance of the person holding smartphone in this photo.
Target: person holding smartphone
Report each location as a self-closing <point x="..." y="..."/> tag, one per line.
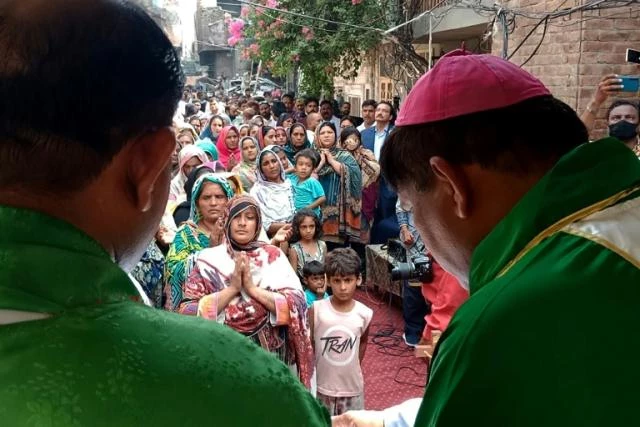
<point x="622" y="115"/>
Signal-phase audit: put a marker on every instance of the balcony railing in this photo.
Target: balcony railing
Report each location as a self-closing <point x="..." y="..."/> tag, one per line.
<point x="432" y="4"/>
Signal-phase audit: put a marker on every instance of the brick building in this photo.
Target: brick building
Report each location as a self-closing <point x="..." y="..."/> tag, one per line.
<point x="576" y="51"/>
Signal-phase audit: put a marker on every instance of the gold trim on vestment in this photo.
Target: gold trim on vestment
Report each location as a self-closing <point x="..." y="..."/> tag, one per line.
<point x="559" y="225"/>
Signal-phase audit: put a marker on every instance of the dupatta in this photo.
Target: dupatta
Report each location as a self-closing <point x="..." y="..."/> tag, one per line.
<point x="270" y="270"/>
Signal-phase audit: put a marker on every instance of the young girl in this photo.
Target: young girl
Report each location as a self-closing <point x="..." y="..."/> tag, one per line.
<point x="307" y="229"/>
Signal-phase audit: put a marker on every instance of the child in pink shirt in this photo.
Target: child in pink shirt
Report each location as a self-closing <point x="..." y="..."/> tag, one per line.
<point x="339" y="328"/>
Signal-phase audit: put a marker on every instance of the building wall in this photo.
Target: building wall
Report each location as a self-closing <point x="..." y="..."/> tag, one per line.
<point x="365" y="85"/>
<point x="576" y="51"/>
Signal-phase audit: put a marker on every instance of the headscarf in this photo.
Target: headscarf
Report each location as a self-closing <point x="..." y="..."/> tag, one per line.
<point x="216" y="166"/>
<point x="208" y="147"/>
<point x="263" y="131"/>
<point x="195" y="215"/>
<point x="176" y="192"/>
<point x="280" y="128"/>
<point x="182" y="211"/>
<point x="224" y="153"/>
<point x="247" y="170"/>
<point x="235" y="207"/>
<point x="289" y="149"/>
<point x="283" y="117"/>
<point x="232" y="178"/>
<point x="207" y="132"/>
<point x="275" y="199"/>
<point x="187" y="129"/>
<point x="242" y="127"/>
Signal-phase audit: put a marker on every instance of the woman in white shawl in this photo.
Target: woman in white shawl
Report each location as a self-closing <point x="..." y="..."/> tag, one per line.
<point x="273" y="191"/>
<point x="189" y="158"/>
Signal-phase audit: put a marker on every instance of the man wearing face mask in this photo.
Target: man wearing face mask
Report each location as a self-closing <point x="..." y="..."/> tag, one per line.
<point x="622" y="115"/>
<point x="542" y="228"/>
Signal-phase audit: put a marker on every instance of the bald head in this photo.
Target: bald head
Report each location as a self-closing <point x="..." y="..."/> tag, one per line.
<point x="78" y="79"/>
<point x="313" y="120"/>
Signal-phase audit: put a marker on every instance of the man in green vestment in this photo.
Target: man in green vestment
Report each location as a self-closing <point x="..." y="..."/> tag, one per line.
<point x="543" y="229"/>
<point x="88" y="90"/>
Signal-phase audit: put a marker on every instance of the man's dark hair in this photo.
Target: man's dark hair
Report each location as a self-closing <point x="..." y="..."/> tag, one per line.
<point x="308" y="153"/>
<point x="346" y="103"/>
<point x="59" y="55"/>
<point x="313" y="268"/>
<point x="369" y="103"/>
<point x="620" y="102"/>
<point x="342" y="262"/>
<point x="290" y="95"/>
<point x="393" y="110"/>
<point x="310" y="99"/>
<point x="326" y="101"/>
<point x="190" y="109"/>
<point x="527" y="137"/>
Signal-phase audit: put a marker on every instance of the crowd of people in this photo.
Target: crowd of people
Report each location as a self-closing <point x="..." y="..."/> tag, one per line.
<point x="539" y="226"/>
<point x="265" y="228"/>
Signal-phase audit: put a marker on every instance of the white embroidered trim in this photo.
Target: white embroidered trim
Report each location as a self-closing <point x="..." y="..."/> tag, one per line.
<point x="617" y="228"/>
<point x="8" y="317"/>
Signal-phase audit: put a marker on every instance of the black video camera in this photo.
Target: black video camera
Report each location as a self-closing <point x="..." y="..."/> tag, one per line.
<point x="419" y="268"/>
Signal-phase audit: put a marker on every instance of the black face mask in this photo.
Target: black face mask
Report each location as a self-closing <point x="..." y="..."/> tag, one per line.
<point x="623" y="130"/>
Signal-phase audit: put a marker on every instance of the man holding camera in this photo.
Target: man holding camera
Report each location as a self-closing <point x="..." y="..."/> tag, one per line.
<point x="543" y="230"/>
<point x="438" y="297"/>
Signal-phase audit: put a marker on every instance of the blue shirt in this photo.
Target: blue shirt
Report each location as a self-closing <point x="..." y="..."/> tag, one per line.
<point x="306" y="192"/>
<point x="312" y="297"/>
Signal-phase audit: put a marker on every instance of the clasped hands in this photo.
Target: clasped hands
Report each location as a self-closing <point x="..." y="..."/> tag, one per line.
<point x="241" y="277"/>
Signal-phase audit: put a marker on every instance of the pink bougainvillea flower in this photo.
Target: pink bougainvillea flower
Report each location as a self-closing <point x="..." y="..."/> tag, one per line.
<point x="259" y="11"/>
<point x="355" y="2"/>
<point x="233" y="41"/>
<point x="272" y="3"/>
<point x="295" y="57"/>
<point x="236" y="27"/>
<point x="307" y="33"/>
<point x="244" y="11"/>
<point x="254" y="48"/>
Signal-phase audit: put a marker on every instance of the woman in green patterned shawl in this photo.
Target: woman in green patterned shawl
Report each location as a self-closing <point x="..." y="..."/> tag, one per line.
<point x="341" y="179"/>
<point x="208" y="201"/>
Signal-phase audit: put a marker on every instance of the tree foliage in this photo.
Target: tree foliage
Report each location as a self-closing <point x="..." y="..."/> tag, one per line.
<point x="319" y="49"/>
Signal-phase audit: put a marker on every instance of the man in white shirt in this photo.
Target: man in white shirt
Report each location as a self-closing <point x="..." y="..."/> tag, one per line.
<point x="373" y="138"/>
<point x="368" y="114"/>
<point x="313" y="120"/>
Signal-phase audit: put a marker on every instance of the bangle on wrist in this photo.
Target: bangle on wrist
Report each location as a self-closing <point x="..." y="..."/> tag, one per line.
<point x="591" y="108"/>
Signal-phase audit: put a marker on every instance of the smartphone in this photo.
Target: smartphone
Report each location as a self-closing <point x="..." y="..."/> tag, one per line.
<point x="633" y="56"/>
<point x="630" y="83"/>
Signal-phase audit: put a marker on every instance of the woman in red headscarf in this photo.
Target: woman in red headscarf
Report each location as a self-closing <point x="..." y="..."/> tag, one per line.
<point x="228" y="147"/>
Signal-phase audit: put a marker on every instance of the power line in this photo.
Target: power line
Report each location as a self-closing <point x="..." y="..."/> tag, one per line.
<point x="415" y="18"/>
<point x="503" y="15"/>
<point x="300" y="15"/>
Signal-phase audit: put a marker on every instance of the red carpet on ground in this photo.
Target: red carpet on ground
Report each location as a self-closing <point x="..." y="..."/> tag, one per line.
<point x="392" y="374"/>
